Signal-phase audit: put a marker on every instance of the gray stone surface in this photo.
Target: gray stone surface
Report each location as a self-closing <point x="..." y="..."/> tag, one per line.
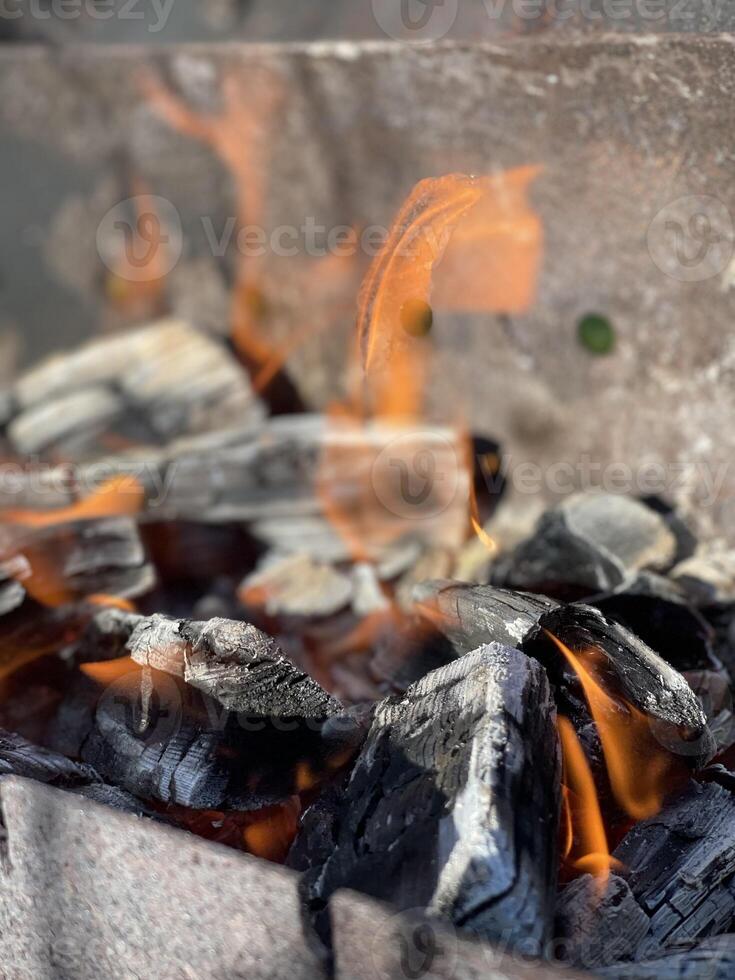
<point x="623" y="128"/>
<point x="373" y="942"/>
<point x="87" y="892"/>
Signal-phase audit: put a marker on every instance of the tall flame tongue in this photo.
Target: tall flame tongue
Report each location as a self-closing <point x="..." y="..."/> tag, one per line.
<point x="640" y="770"/>
<point x="585" y="846"/>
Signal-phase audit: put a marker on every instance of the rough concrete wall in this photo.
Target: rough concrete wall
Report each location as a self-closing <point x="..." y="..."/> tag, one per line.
<point x="625" y="130"/>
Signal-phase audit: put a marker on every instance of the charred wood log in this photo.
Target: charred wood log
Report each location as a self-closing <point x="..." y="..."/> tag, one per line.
<point x="273" y="476"/>
<point x="629" y="669"/>
<point x="590" y="543"/>
<point x="712" y="959"/>
<point x="147" y="386"/>
<point x="470" y="615"/>
<point x="230" y="662"/>
<point x="19" y="757"/>
<point x="599" y="923"/>
<point x="160" y="739"/>
<point x="447" y="808"/>
<point x="67" y="562"/>
<point x="681" y="868"/>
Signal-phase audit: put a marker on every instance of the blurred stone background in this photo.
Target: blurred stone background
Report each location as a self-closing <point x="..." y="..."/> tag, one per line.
<point x="625" y="129"/>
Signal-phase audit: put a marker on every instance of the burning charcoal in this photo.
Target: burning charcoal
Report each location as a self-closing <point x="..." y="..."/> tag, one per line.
<point x="632" y="670"/>
<point x="664" y="621"/>
<point x="150" y="386"/>
<point x="66" y="562"/>
<point x="368" y="595"/>
<point x="447" y="807"/>
<point x="589" y="543"/>
<point x="160" y="739"/>
<point x="49" y="572"/>
<point x="317" y="835"/>
<point x="599" y="923"/>
<point x="233" y="663"/>
<point x="681" y="867"/>
<point x="471" y="615"/>
<point x="296" y="585"/>
<point x="274" y="476"/>
<point x="712" y="959"/>
<point x="22" y="758"/>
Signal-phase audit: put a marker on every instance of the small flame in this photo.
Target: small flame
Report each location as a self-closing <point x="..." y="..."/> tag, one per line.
<point x="586" y="848"/>
<point x="640" y="770"/>
<point x="119" y="496"/>
<point x="106" y="672"/>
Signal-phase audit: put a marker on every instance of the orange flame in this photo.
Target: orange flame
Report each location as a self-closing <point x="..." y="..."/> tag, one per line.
<point x="119" y="496"/>
<point x="492" y="262"/>
<point x="235" y="134"/>
<point x="640" y="770"/>
<point x="394" y="315"/>
<point x="586" y="848"/>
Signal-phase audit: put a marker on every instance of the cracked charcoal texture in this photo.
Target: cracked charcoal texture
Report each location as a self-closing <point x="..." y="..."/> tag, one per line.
<point x="447" y="808"/>
<point x="233" y="662"/>
<point x="682" y="867"/>
<point x="630" y="667"/>
<point x="470" y="615"/>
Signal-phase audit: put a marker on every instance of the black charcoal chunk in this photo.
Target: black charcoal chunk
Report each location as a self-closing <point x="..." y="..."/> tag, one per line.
<point x="470" y="615"/>
<point x="712" y="959"/>
<point x="681" y="867"/>
<point x="599" y="923"/>
<point x="232" y="662"/>
<point x="630" y="669"/>
<point x="589" y="543"/>
<point x="447" y="808"/>
<point x="19" y="757"/>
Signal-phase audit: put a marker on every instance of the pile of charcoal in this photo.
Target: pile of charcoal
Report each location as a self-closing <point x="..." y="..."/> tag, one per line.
<point x="204" y="650"/>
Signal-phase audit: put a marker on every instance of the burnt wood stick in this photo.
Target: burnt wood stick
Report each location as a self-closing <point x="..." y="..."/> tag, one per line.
<point x="712" y="959"/>
<point x="470" y="615"/>
<point x="20" y="757"/>
<point x="231" y="662"/>
<point x="447" y="807"/>
<point x="630" y="668"/>
<point x="272" y="476"/>
<point x="145" y="386"/>
<point x="681" y="867"/>
<point x="161" y="739"/>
